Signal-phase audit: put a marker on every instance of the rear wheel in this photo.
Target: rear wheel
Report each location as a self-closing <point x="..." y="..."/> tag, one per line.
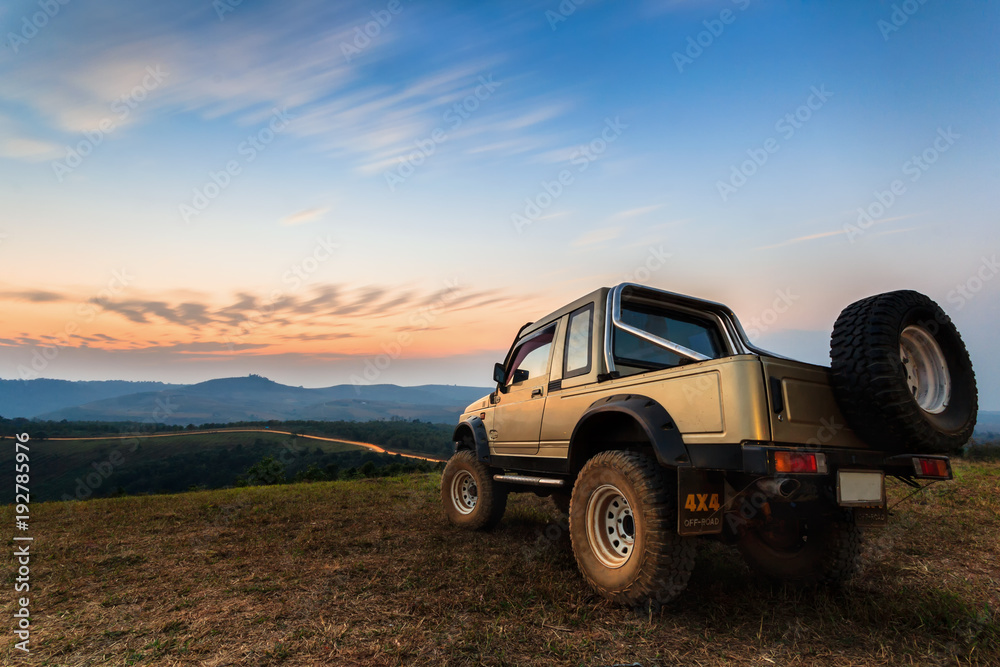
<point x="622" y="523"/>
<point x="804" y="552"/>
<point x="471" y="498"/>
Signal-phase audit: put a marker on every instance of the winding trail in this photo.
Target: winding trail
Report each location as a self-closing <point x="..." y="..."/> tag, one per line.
<point x="366" y="445"/>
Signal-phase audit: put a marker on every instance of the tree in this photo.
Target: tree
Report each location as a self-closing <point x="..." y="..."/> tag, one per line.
<point x="266" y="471"/>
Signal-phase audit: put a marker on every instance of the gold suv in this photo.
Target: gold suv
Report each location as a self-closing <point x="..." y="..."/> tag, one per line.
<point x="650" y="418"/>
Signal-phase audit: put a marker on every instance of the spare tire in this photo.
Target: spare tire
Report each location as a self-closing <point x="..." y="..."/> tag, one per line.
<point x="902" y="376"/>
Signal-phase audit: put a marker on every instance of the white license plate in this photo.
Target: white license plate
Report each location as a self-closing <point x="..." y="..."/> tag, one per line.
<point x="860" y="488"/>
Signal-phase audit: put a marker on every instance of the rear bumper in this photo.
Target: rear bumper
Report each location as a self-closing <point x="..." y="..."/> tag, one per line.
<point x="758" y="459"/>
<point x="747" y="478"/>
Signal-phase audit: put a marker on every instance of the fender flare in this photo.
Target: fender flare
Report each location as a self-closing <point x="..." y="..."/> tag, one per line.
<point x="653" y="418"/>
<point x="480" y="439"/>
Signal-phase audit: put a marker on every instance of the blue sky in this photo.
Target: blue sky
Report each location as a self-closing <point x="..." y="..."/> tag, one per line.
<point x="281" y="193"/>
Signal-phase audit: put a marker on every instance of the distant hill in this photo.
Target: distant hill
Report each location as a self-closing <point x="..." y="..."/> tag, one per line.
<point x="252" y="398"/>
<point x="988" y="423"/>
<point x="30" y="398"/>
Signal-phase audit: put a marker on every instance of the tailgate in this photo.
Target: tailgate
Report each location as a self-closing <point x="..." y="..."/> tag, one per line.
<point x="803" y="409"/>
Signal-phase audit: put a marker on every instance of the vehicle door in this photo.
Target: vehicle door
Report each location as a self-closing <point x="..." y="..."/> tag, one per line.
<point x="517" y="421"/>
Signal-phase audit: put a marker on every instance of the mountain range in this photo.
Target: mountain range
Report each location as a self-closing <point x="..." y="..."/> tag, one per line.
<point x="252" y="398"/>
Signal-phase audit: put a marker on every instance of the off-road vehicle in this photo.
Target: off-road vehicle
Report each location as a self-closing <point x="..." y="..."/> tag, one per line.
<point x="651" y="418"/>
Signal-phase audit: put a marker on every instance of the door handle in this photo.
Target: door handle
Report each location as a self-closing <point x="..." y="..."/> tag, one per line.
<point x="537" y="391"/>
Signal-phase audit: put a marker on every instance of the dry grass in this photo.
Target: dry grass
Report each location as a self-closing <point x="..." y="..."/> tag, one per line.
<point x="369" y="573"/>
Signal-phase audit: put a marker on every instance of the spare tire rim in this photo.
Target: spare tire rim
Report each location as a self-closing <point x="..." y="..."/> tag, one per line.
<point x="610" y="526"/>
<point x="464" y="493"/>
<point x="926" y="369"/>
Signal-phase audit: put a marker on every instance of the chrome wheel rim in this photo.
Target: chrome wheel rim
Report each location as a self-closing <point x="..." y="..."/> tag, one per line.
<point x="611" y="526"/>
<point x="464" y="492"/>
<point x="927" y="374"/>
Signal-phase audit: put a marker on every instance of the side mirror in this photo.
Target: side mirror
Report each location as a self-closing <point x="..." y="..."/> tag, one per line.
<point x="499" y="375"/>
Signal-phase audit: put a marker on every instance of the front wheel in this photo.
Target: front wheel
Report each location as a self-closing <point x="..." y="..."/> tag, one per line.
<point x="471" y="498"/>
<point x="804" y="552"/>
<point x="622" y="523"/>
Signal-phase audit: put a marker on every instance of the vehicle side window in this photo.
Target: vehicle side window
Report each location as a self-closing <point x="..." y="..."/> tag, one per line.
<point x="531" y="358"/>
<point x="700" y="335"/>
<point x="579" y="339"/>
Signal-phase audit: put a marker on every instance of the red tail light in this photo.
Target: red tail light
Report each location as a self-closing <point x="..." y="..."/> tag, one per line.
<point x="799" y="462"/>
<point x="937" y="468"/>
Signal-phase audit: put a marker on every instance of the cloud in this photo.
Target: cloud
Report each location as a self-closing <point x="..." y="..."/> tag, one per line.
<point x="361" y="110"/>
<point x="327" y="305"/>
<point x="314" y="337"/>
<point x="529" y="118"/>
<point x="33" y="150"/>
<point x="633" y="212"/>
<point x="257" y="58"/>
<point x="836" y="232"/>
<point x="551" y="216"/>
<point x="598" y="236"/>
<point x="188" y="314"/>
<point x="511" y="146"/>
<point x="34" y="296"/>
<point x="303" y="216"/>
<point x="557" y="155"/>
<point x="800" y="239"/>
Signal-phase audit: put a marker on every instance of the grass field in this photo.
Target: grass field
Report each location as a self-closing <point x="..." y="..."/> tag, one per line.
<point x="369" y="573"/>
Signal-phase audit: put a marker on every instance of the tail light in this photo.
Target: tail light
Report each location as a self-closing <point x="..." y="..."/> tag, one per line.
<point x="800" y="462"/>
<point x="931" y="468"/>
